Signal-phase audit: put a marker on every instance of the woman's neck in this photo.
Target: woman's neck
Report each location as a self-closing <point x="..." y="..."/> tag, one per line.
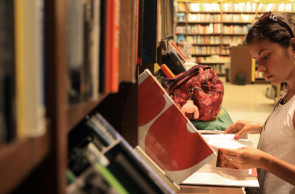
<point x="289" y="94"/>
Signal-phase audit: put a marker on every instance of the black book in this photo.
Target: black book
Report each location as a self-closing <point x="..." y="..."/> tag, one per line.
<point x="174" y="62"/>
<point x="7" y="73"/>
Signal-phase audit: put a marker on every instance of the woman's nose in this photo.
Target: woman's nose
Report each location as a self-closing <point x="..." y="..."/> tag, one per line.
<point x="261" y="68"/>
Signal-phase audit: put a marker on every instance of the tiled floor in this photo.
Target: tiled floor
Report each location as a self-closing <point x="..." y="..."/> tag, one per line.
<point x="247" y="102"/>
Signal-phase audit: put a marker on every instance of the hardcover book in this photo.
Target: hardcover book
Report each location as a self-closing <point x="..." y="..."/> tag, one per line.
<point x="166" y="135"/>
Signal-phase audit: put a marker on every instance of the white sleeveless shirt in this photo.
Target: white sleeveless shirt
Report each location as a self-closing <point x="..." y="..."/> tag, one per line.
<point x="278" y="139"/>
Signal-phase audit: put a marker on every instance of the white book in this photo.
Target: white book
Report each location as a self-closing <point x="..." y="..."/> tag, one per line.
<point x="209" y="174"/>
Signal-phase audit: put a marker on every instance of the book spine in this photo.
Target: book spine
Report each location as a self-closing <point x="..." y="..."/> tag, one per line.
<point x="20" y="67"/>
<point x="101" y="130"/>
<point x="95" y="42"/>
<point x="75" y="42"/>
<point x="7" y="73"/>
<point x="167" y="71"/>
<point x="172" y="43"/>
<point x="34" y="88"/>
<point x="112" y="45"/>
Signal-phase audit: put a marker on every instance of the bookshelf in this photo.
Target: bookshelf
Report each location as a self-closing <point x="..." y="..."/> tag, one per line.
<point x="38" y="164"/>
<point x="214" y="27"/>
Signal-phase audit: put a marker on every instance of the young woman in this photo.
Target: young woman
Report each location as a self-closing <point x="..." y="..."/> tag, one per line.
<point x="271" y="43"/>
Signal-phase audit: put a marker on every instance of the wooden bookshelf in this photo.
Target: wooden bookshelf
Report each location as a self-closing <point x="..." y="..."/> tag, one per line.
<point x="77" y="112"/>
<point x="19" y="158"/>
<point x="38" y="165"/>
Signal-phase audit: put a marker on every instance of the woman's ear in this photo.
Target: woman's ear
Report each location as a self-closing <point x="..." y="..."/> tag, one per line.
<point x="292" y="44"/>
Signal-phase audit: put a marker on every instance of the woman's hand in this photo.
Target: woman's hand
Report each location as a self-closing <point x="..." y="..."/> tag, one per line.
<point x="245" y="158"/>
<point x="242" y="128"/>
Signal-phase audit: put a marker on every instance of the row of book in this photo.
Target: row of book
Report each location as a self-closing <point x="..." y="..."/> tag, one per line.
<point x="238" y="17"/>
<point x="219" y="69"/>
<point x="204" y="29"/>
<point x="233" y="39"/>
<point x="213" y="39"/>
<point x="94" y="35"/>
<point x="209" y="50"/>
<point x="206" y="7"/>
<point x="203" y="17"/>
<point x="235" y="7"/>
<point x="101" y="161"/>
<point x="216" y="17"/>
<point x="235" y="29"/>
<point x="212" y="29"/>
<point x="275" y="7"/>
<point x="22" y="89"/>
<point x="92" y="48"/>
<point x="206" y="49"/>
<point x="203" y="39"/>
<point x="239" y="7"/>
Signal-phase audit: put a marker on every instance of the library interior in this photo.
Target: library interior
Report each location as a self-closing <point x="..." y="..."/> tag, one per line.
<point x="131" y="96"/>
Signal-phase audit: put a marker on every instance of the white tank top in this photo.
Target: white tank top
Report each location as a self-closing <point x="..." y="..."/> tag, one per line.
<point x="278" y="139"/>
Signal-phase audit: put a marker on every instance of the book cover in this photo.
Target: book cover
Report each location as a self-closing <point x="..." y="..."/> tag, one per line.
<point x="166" y="135"/>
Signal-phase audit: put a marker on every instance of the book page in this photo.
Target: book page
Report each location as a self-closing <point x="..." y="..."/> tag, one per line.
<point x="210" y="174"/>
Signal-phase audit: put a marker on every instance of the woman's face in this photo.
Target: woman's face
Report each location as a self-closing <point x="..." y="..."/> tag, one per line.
<point x="274" y="61"/>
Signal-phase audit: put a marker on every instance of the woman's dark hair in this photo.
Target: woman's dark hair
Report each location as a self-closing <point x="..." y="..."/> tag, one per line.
<point x="271" y="30"/>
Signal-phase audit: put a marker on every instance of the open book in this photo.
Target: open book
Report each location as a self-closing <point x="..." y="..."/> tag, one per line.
<point x="213" y="174"/>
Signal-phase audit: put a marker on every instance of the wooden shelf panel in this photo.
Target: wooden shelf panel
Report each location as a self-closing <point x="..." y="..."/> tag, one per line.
<point x="77" y="112"/>
<point x="19" y="158"/>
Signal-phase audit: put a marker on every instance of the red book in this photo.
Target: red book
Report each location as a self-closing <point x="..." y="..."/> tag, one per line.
<point x="112" y="45"/>
<point x="166" y="135"/>
<point x="172" y="43"/>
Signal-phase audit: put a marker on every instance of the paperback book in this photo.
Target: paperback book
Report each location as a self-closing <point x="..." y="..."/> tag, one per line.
<point x="220" y="171"/>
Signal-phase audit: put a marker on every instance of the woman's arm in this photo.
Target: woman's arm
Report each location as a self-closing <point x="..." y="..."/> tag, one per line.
<point x="246" y="158"/>
<point x="279" y="168"/>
